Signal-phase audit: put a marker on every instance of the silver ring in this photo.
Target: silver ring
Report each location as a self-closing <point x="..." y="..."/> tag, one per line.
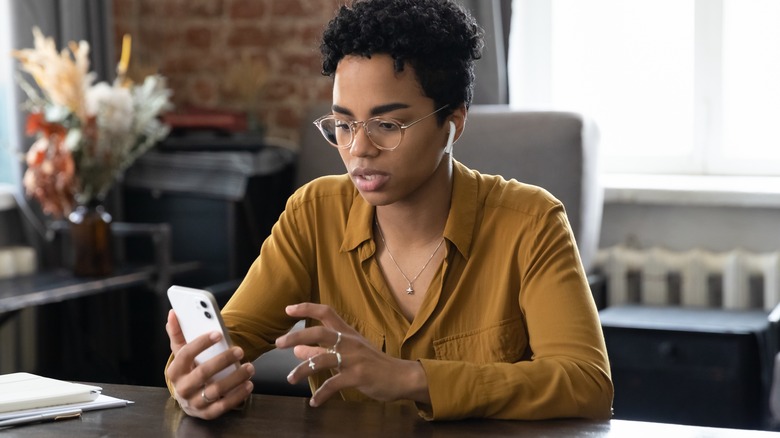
<point x="338" y="360"/>
<point x="338" y="340"/>
<point x="311" y="364"/>
<point x="203" y="396"/>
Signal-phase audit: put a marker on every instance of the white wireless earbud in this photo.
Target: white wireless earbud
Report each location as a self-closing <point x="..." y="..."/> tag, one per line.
<point x="448" y="148"/>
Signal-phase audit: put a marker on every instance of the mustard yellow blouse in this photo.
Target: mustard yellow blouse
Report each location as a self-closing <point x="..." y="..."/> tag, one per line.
<point x="508" y="327"/>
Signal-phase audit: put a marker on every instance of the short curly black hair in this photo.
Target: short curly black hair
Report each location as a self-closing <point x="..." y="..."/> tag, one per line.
<point x="438" y="38"/>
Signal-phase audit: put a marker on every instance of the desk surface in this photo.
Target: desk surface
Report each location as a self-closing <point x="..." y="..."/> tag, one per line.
<point x="154" y="414"/>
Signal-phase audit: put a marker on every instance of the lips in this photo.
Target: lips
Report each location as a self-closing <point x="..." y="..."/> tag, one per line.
<point x="369" y="180"/>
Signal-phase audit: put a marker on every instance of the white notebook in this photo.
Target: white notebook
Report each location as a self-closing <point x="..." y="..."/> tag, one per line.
<point x="20" y="391"/>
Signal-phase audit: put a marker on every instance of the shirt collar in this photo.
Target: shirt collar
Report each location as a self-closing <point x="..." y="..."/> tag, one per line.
<point x="360" y="223"/>
<point x="460" y="222"/>
<point x="463" y="208"/>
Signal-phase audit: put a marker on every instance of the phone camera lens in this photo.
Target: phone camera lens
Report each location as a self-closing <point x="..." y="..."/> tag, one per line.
<point x="203" y="304"/>
<point x="208" y="314"/>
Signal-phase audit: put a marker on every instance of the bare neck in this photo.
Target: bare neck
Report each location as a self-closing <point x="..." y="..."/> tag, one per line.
<point x="420" y="219"/>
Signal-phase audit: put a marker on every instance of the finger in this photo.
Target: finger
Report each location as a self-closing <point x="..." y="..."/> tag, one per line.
<point x="200" y="402"/>
<point x="175" y="335"/>
<point x="313" y="365"/>
<point x="234" y="379"/>
<point x="220" y="403"/>
<point x="206" y="401"/>
<point x="320" y="312"/>
<point x="317" y="335"/>
<point x="303" y="352"/>
<point x="238" y="394"/>
<point x="330" y="387"/>
<point x="198" y="345"/>
<point x="227" y="359"/>
<point x="212" y="394"/>
<point x="299" y="372"/>
<point x="189" y="387"/>
<point x="189" y="378"/>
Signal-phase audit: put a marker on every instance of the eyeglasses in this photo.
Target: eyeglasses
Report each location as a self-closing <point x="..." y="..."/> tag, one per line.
<point x="385" y="134"/>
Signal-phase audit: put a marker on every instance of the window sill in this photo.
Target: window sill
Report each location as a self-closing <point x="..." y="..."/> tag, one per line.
<point x="694" y="190"/>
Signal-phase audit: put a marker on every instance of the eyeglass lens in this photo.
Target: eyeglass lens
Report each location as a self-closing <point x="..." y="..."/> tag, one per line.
<point x="383" y="133"/>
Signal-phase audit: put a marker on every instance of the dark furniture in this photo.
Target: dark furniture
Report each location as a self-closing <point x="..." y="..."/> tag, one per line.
<point x="57" y="285"/>
<point x="109" y="327"/>
<point x="694" y="366"/>
<point x="155" y="414"/>
<point x="221" y="197"/>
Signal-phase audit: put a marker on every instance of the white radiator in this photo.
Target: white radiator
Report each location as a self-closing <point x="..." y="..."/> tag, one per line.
<point x="734" y="279"/>
<point x="18" y="342"/>
<point x="17" y="260"/>
<point x="18" y="335"/>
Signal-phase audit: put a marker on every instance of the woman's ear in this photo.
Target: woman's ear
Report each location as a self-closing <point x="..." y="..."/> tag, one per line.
<point x="458" y="117"/>
<point x="450" y="138"/>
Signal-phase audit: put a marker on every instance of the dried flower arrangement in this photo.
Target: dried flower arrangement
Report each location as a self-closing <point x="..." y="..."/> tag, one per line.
<point x="87" y="133"/>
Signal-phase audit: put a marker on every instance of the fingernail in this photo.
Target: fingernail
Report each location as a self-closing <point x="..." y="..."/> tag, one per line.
<point x="238" y="353"/>
<point x="289" y="377"/>
<point x="215" y="336"/>
<point x="312" y="403"/>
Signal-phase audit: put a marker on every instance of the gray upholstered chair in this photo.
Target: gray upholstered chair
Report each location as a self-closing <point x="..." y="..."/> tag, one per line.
<point x="554" y="150"/>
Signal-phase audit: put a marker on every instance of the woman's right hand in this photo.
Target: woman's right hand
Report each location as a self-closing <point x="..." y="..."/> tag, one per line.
<point x="189" y="381"/>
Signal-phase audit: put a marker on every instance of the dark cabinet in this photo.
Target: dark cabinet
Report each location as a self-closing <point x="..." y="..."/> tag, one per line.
<point x="707" y="367"/>
<point x="220" y="205"/>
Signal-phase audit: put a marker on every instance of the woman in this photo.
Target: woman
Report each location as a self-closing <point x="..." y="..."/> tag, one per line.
<point x="421" y="280"/>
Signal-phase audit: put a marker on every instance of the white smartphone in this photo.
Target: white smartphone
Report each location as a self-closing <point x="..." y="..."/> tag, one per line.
<point x="198" y="313"/>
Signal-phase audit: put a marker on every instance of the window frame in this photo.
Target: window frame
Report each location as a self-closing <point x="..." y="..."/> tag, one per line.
<point x="9" y="110"/>
<point x="531" y="71"/>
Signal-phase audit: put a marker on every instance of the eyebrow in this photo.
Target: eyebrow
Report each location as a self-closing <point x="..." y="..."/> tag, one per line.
<point x="375" y="111"/>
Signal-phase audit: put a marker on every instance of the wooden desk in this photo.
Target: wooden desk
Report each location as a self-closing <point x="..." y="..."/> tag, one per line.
<point x="154" y="414"/>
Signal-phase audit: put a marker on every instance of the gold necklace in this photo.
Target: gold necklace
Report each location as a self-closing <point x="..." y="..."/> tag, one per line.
<point x="410" y="289"/>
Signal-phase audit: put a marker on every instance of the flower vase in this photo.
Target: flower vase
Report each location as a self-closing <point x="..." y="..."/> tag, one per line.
<point x="90" y="234"/>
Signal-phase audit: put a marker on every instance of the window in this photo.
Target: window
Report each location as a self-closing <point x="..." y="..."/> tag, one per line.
<point x="9" y="166"/>
<point x="675" y="86"/>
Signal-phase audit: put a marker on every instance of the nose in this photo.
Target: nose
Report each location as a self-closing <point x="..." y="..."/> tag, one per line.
<point x="361" y="144"/>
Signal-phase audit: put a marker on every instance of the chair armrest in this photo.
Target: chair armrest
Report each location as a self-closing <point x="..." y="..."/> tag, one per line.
<point x="773" y="332"/>
<point x="598" y="287"/>
<point x="272" y="368"/>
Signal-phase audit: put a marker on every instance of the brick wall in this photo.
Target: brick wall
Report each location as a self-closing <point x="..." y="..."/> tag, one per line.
<point x="212" y="51"/>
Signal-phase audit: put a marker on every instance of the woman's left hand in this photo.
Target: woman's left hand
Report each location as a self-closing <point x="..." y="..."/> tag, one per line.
<point x="359" y="365"/>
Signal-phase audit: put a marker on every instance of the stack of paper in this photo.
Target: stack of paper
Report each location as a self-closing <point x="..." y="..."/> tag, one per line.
<point x="24" y="395"/>
<point x="26" y="391"/>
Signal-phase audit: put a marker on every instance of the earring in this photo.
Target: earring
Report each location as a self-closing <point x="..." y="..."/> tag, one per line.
<point x="448" y="148"/>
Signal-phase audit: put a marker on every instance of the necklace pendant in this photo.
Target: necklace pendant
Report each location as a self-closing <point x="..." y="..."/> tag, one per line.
<point x="409" y="290"/>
